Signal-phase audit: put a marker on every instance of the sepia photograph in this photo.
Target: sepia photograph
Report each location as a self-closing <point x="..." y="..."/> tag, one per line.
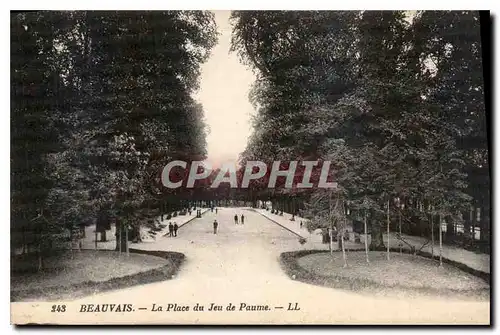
<point x="250" y="167"/>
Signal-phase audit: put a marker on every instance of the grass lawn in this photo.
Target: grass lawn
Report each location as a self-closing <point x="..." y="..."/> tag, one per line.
<point x="402" y="274"/>
<point x="71" y="274"/>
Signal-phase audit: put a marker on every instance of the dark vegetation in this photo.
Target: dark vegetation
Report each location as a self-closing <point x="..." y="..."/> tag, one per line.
<point x="100" y="102"/>
<point x="394" y="99"/>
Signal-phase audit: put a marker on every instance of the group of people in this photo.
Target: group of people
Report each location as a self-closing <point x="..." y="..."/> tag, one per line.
<point x="236" y="219"/>
<point x="172" y="229"/>
<point x="216" y="224"/>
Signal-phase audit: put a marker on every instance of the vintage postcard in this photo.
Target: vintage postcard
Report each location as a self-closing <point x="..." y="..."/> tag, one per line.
<point x="249" y="167"/>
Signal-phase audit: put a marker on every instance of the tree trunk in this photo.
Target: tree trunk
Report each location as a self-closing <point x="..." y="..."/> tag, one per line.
<point x="343" y="250"/>
<point x="468" y="225"/>
<point x="330" y="218"/>
<point x="474" y="220"/>
<point x="483" y="223"/>
<point x="400" y="233"/>
<point x="24" y="241"/>
<point x="432" y="236"/>
<point x="377" y="241"/>
<point x="119" y="240"/>
<point x="103" y="236"/>
<point x="388" y="231"/>
<point x="330" y="233"/>
<point x="136" y="234"/>
<point x="440" y="241"/>
<point x="126" y="241"/>
<point x="366" y="240"/>
<point x="120" y="237"/>
<point x="450" y="228"/>
<point x="40" y="263"/>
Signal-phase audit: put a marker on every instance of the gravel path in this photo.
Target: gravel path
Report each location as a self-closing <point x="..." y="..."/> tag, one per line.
<point x="240" y="265"/>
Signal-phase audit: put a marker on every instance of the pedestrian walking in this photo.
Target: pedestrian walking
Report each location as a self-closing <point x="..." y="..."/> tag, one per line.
<point x="171" y="229"/>
<point x="242" y="219"/>
<point x="216" y="210"/>
<point x="216" y="224"/>
<point x="175" y="229"/>
<point x="235" y="219"/>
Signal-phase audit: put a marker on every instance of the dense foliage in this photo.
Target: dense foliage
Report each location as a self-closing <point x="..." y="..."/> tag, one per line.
<point x="394" y="99"/>
<point x="100" y="102"/>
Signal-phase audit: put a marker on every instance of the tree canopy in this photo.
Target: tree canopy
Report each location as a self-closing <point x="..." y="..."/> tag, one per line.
<point x="101" y="100"/>
<point x="390" y="97"/>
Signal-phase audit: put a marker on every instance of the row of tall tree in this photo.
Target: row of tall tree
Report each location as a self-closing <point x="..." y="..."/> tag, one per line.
<point x="394" y="99"/>
<point x="100" y="102"/>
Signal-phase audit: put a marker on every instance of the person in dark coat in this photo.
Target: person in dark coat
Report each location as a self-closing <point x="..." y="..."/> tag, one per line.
<point x="216" y="224"/>
<point x="235" y="219"/>
<point x="242" y="219"/>
<point x="175" y="229"/>
<point x="171" y="229"/>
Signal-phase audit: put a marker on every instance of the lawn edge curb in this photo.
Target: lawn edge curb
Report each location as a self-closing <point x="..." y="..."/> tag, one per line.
<point x="289" y="264"/>
<point x="279" y="224"/>
<point x="162" y="273"/>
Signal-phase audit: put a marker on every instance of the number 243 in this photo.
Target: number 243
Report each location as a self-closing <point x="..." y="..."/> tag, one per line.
<point x="58" y="308"/>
